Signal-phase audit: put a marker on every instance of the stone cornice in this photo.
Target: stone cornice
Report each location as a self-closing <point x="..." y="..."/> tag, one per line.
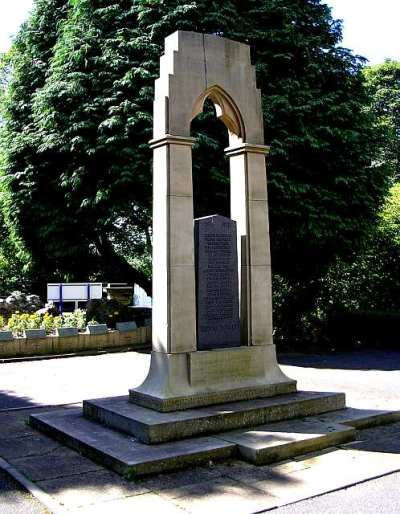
<point x="246" y="148"/>
<point x="169" y="139"/>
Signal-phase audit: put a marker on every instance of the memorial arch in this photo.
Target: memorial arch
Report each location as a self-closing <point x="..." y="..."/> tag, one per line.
<point x="193" y="68"/>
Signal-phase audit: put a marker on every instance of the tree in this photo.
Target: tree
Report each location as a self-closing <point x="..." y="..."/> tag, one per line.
<point x="89" y="175"/>
<point x="27" y="65"/>
<point x="383" y="84"/>
<point x="371" y="281"/>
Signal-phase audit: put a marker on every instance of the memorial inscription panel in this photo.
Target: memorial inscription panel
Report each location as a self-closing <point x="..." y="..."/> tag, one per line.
<point x="217" y="289"/>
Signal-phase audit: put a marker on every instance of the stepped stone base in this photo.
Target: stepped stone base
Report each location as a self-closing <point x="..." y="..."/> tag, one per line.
<point x="151" y="427"/>
<point x="124" y="454"/>
<point x="262" y="444"/>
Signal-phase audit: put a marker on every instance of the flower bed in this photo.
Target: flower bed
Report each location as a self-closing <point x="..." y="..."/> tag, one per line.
<point x="18" y="322"/>
<point x="30" y="345"/>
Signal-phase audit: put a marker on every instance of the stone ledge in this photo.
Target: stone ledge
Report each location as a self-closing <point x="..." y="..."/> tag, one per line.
<point x="204" y="398"/>
<point x="158" y="427"/>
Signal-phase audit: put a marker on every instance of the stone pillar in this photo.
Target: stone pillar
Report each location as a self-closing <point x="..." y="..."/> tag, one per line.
<point x="174" y="300"/>
<point x="249" y="208"/>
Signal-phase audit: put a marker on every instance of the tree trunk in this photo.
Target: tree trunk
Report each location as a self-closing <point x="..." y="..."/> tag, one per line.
<point x="116" y="269"/>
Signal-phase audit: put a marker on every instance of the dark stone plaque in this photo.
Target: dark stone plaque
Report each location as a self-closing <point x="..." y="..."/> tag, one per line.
<point x="217" y="289"/>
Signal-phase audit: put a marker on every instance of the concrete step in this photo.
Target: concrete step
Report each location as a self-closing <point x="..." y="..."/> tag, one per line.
<point x="152" y="427"/>
<point x="125" y="454"/>
<point x="278" y="441"/>
<point x="267" y="443"/>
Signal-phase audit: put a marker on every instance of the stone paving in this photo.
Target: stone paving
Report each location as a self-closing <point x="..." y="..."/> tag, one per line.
<point x="15" y="500"/>
<point x="369" y="379"/>
<point x="79" y="485"/>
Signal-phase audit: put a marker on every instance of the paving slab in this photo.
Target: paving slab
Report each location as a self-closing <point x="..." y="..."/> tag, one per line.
<point x="327" y="472"/>
<point x="16" y="500"/>
<point x="150" y="503"/>
<point x="273" y="442"/>
<point x="58" y="463"/>
<point x="92" y="488"/>
<point x="220" y="495"/>
<point x="27" y="446"/>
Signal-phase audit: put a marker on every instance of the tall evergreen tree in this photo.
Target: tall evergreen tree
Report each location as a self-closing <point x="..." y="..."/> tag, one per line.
<point x="92" y="121"/>
<point x="22" y="191"/>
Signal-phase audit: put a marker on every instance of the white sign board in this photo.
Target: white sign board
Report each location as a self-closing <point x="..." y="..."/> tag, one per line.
<point x="140" y="298"/>
<point x="74" y="292"/>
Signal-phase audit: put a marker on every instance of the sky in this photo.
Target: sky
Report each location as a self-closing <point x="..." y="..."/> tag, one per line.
<point x="371" y="27"/>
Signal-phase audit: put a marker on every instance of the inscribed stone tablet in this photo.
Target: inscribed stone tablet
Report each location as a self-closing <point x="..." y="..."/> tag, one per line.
<point x="126" y="326"/>
<point x="96" y="329"/>
<point x="217" y="290"/>
<point x="67" y="332"/>
<point x="6" y="335"/>
<point x="35" y="333"/>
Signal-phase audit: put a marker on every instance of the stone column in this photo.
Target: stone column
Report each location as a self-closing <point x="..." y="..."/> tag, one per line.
<point x="174" y="301"/>
<point x="249" y="208"/>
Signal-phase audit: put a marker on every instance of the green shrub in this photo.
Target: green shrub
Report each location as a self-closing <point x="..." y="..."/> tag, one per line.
<point x="18" y="322"/>
<point x="373" y="329"/>
<point x="108" y="311"/>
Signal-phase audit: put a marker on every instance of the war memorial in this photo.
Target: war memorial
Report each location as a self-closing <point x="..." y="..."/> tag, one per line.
<point x="214" y="388"/>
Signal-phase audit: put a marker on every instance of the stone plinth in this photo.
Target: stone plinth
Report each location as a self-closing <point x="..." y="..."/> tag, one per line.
<point x="183" y="381"/>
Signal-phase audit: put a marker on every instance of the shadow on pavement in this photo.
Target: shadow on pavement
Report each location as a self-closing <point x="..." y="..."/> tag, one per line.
<point x="383" y="439"/>
<point x="362" y="360"/>
<point x="11" y="400"/>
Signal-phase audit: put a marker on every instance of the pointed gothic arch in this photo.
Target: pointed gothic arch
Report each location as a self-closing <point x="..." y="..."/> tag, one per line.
<point x="226" y="110"/>
<point x="193" y="68"/>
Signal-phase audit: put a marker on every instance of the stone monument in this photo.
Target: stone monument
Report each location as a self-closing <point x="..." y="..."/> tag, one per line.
<point x="212" y="310"/>
<point x="196" y="67"/>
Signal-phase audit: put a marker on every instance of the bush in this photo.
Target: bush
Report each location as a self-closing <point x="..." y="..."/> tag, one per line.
<point x="108" y="311"/>
<point x="305" y="317"/>
<point x="372" y="329"/>
<point x="18" y="322"/>
<point x="20" y="302"/>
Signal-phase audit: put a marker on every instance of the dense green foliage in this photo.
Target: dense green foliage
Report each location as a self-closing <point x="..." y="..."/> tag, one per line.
<point x="78" y="118"/>
<point x="368" y="283"/>
<point x="383" y="85"/>
<point x="24" y="185"/>
<point x="372" y="280"/>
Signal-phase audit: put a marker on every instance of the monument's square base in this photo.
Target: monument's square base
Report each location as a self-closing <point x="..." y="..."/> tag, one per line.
<point x="292" y="425"/>
<point x="185" y="380"/>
